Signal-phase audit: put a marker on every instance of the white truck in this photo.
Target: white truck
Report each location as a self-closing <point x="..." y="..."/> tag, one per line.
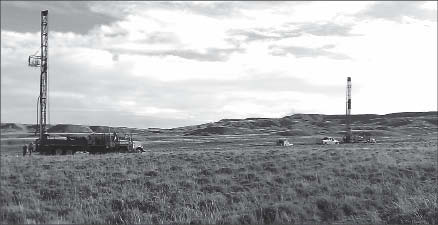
<point x="137" y="146"/>
<point x="329" y="141"/>
<point x="283" y="142"/>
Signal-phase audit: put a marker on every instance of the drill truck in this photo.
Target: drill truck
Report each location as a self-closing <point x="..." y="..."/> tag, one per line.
<point x="94" y="143"/>
<point x="59" y="144"/>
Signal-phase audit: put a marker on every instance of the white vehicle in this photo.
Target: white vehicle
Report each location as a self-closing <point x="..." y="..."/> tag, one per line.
<point x="329" y="141"/>
<point x="130" y="146"/>
<point x="137" y="146"/>
<point x="371" y="140"/>
<point x="283" y="142"/>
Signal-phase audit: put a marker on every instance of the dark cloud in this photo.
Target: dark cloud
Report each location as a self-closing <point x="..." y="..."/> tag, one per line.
<point x="395" y="10"/>
<point x="210" y="9"/>
<point x="250" y="35"/>
<point x="289" y="30"/>
<point x="115" y="57"/>
<point x="306" y="52"/>
<point x="213" y="9"/>
<point x="210" y="54"/>
<point x="160" y="38"/>
<point x="325" y="29"/>
<point x="116" y="32"/>
<point x="64" y="16"/>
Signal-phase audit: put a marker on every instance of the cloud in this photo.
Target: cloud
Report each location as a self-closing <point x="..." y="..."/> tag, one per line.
<point x="325" y="29"/>
<point x="160" y="38"/>
<point x="299" y="52"/>
<point x="250" y="35"/>
<point x="396" y="10"/>
<point x="210" y="9"/>
<point x="289" y="30"/>
<point x="209" y="54"/>
<point x="64" y="16"/>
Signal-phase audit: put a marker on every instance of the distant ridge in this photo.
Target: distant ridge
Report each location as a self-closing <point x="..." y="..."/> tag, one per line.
<point x="301" y="124"/>
<point x="401" y="123"/>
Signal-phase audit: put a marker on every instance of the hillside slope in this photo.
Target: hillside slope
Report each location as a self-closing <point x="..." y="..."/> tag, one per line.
<point x="404" y="123"/>
<point x="413" y="123"/>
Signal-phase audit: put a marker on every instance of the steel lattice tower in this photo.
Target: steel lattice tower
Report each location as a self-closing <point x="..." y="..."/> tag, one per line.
<point x="42" y="62"/>
<point x="348" y="111"/>
<point x="43" y="81"/>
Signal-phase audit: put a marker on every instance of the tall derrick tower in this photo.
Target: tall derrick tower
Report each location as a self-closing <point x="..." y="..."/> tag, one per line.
<point x="42" y="62"/>
<point x="348" y="112"/>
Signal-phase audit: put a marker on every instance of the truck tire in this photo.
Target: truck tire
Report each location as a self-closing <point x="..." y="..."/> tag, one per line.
<point x="140" y="150"/>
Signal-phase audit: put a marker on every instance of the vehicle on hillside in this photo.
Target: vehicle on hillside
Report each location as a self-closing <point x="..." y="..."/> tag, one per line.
<point x="371" y="140"/>
<point x="283" y="142"/>
<point x="329" y="141"/>
<point x="137" y="146"/>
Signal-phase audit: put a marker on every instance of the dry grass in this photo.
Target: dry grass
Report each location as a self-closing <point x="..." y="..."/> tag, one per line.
<point x="226" y="184"/>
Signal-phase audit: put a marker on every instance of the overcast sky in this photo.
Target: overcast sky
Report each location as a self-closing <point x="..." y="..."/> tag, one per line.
<point x="170" y="64"/>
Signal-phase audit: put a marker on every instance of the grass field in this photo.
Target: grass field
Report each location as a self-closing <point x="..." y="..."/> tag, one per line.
<point x="217" y="180"/>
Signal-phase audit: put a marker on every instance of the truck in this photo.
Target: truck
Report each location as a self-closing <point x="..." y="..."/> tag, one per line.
<point x="360" y="136"/>
<point x="329" y="141"/>
<point x="94" y="143"/>
<point x="283" y="142"/>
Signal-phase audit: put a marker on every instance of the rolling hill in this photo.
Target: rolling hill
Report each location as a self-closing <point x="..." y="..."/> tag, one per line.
<point x="317" y="124"/>
<point x="404" y="123"/>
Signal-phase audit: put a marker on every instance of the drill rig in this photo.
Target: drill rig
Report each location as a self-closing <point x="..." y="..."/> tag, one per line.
<point x="69" y="144"/>
<point x="348" y="135"/>
<point x="358" y="136"/>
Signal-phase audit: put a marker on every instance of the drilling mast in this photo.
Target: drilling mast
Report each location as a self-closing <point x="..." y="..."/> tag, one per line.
<point x="42" y="61"/>
<point x="348" y="112"/>
<point x="96" y="143"/>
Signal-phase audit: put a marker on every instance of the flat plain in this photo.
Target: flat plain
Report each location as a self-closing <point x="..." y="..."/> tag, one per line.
<point x="227" y="179"/>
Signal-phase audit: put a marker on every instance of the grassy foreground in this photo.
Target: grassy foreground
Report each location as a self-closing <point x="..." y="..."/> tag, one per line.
<point x="369" y="184"/>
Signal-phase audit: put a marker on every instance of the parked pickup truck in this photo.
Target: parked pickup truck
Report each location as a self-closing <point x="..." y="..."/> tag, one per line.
<point x="329" y="141"/>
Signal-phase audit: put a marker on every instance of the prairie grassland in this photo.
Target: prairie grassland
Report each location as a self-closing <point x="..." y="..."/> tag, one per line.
<point x="227" y="183"/>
